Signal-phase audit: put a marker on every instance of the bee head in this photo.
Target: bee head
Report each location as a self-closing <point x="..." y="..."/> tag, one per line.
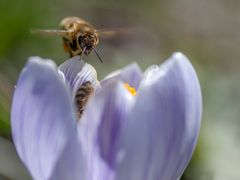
<point x="87" y="42"/>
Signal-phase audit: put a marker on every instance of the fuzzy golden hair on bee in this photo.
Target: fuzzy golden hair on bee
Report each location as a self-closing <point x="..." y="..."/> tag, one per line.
<point x="79" y="37"/>
<point x="82" y="96"/>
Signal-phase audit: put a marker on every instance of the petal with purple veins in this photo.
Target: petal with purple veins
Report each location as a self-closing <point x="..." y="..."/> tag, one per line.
<point x="44" y="125"/>
<point x="130" y="74"/>
<point x="77" y="72"/>
<point x="163" y="128"/>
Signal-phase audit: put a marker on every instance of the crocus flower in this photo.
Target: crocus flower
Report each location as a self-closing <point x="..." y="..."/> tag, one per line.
<point x="134" y="126"/>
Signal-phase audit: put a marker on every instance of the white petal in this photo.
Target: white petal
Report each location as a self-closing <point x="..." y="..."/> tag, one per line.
<point x="77" y="72"/>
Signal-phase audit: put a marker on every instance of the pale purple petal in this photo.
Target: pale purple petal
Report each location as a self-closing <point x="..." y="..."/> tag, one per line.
<point x="62" y="76"/>
<point x="130" y="74"/>
<point x="77" y="72"/>
<point x="163" y="127"/>
<point x="70" y="68"/>
<point x="43" y="123"/>
<point x="100" y="127"/>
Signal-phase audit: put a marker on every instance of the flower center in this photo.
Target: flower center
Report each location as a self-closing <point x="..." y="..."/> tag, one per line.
<point x="130" y="89"/>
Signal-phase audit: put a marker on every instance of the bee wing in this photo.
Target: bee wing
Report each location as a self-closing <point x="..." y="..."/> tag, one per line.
<point x="106" y="33"/>
<point x="49" y="32"/>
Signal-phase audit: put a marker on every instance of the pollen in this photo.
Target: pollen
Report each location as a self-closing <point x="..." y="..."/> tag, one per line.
<point x="130" y="89"/>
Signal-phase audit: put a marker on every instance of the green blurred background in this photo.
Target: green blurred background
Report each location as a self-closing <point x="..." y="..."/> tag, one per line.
<point x="207" y="31"/>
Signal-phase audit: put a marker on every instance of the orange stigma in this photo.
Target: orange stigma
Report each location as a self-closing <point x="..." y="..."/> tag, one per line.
<point x="130" y="89"/>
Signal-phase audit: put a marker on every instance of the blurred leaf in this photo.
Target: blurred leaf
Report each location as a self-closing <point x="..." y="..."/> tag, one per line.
<point x="10" y="165"/>
<point x="5" y="128"/>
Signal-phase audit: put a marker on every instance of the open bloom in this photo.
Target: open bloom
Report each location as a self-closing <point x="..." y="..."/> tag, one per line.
<point x="136" y="125"/>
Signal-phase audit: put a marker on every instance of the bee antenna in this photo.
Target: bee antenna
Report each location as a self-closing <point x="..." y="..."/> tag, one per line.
<point x="97" y="55"/>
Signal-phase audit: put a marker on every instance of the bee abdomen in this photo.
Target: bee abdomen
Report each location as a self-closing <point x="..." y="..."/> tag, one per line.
<point x="82" y="96"/>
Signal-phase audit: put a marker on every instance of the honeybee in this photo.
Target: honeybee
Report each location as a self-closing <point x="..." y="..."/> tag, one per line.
<point x="79" y="37"/>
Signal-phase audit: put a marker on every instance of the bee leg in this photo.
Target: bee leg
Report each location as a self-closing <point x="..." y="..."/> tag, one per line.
<point x="66" y="48"/>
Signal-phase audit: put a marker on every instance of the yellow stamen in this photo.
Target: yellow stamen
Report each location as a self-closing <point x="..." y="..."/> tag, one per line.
<point x="130" y="89"/>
